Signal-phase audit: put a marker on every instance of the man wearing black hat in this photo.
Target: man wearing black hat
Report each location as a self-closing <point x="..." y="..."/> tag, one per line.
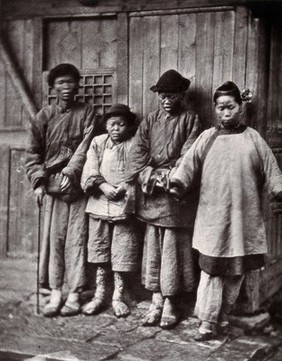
<point x="56" y="133"/>
<point x="161" y="140"/>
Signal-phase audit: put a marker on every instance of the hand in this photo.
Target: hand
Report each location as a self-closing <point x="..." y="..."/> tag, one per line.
<point x="121" y="190"/>
<point x="39" y="194"/>
<point x="159" y="184"/>
<point x="109" y="191"/>
<point x="65" y="183"/>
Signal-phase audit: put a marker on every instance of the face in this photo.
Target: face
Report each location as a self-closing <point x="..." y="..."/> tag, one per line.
<point x="65" y="87"/>
<point x="228" y="111"/>
<point x="117" y="128"/>
<point x="170" y="101"/>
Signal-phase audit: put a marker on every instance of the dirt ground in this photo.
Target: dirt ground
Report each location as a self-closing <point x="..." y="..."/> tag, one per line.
<point x="24" y="335"/>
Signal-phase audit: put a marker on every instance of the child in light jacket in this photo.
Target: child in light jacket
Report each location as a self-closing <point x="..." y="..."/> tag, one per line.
<point x="113" y="238"/>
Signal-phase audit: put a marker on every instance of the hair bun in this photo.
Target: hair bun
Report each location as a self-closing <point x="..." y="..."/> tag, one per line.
<point x="246" y="95"/>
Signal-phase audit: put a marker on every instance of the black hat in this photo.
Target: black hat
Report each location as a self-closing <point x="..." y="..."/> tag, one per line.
<point x="120" y="110"/>
<point x="228" y="88"/>
<point x="171" y="82"/>
<point x="61" y="70"/>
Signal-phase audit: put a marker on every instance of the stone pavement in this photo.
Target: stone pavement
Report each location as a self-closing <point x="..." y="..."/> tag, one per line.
<point x="27" y="336"/>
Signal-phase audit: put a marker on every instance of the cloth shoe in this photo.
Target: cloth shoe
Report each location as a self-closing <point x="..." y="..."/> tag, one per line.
<point x="206" y="332"/>
<point x="53" y="307"/>
<point x="71" y="306"/>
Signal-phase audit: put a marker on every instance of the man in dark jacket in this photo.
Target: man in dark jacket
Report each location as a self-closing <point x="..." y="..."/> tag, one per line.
<point x="56" y="132"/>
<point x="161" y="140"/>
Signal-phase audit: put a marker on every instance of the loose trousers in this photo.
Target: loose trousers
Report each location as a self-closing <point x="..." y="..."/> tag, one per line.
<point x="167" y="264"/>
<point x="63" y="252"/>
<point x="216" y="295"/>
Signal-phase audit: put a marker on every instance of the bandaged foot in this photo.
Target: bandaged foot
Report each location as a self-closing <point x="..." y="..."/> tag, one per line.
<point x="153" y="316"/>
<point x="53" y="307"/>
<point x="120" y="308"/>
<point x="98" y="302"/>
<point x="169" y="315"/>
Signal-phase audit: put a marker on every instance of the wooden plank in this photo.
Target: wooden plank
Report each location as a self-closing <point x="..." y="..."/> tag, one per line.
<point x="151" y="62"/>
<point x="37" y="61"/>
<point x="98" y="46"/>
<point x="187" y="54"/>
<point x="14" y="241"/>
<point x="3" y="80"/>
<point x="273" y="68"/>
<point x="279" y="104"/>
<point x="262" y="77"/>
<point x="13" y="138"/>
<point x="180" y="11"/>
<point x="136" y="64"/>
<point x="108" y="51"/>
<point x="169" y="43"/>
<point x="71" y="7"/>
<point x="15" y="39"/>
<point x="270" y="280"/>
<point x="4" y="198"/>
<point x="250" y="302"/>
<point x="275" y="92"/>
<point x="17" y="84"/>
<point x="252" y="71"/>
<point x="27" y="65"/>
<point x="22" y="209"/>
<point x="122" y="58"/>
<point x="240" y="46"/>
<point x="204" y="66"/>
<point x="28" y="213"/>
<point x="223" y="48"/>
<point x="63" y="43"/>
<point x="91" y="44"/>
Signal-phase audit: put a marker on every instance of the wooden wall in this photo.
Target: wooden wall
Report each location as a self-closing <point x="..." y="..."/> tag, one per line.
<point x="36" y="46"/>
<point x="271" y="277"/>
<point x="88" y="44"/>
<point x="209" y="47"/>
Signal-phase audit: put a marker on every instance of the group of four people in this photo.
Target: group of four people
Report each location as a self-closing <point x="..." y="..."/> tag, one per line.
<point x="189" y="189"/>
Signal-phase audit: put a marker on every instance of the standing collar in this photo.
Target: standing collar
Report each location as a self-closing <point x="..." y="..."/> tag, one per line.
<point x="240" y="128"/>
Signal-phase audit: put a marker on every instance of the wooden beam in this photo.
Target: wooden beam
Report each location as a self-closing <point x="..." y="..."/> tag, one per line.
<point x="122" y="58"/>
<point x="18" y="8"/>
<point x="181" y="11"/>
<point x="4" y="198"/>
<point x="17" y="79"/>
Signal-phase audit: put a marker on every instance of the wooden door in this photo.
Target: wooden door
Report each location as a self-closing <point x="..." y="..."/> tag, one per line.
<point x="202" y="45"/>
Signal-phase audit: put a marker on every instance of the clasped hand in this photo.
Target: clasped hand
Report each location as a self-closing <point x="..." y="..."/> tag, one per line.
<point x="111" y="192"/>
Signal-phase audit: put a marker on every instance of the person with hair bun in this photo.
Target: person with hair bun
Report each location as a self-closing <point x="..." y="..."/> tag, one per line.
<point x="235" y="165"/>
<point x="54" y="169"/>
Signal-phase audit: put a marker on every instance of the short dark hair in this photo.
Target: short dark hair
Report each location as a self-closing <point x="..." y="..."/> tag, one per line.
<point x="61" y="70"/>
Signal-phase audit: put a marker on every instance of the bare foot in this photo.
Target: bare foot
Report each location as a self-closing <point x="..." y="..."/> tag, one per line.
<point x="120" y="308"/>
<point x="93" y="307"/>
<point x="153" y="316"/>
<point x="169" y="316"/>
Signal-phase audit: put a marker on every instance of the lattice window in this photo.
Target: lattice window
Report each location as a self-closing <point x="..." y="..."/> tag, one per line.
<point x="95" y="87"/>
